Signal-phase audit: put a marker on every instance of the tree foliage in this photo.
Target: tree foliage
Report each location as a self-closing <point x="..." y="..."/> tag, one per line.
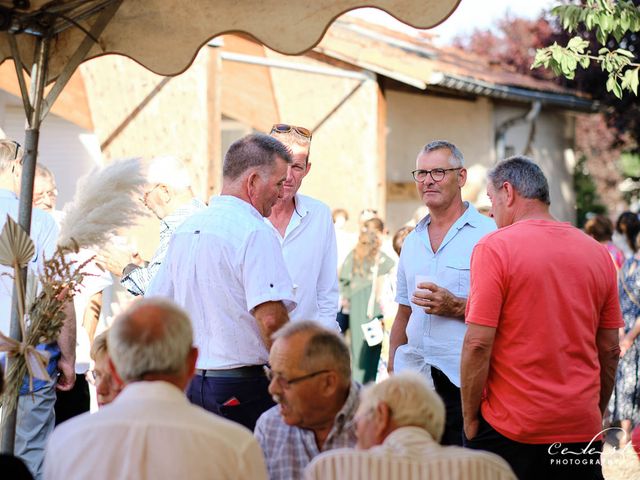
<point x="607" y="19"/>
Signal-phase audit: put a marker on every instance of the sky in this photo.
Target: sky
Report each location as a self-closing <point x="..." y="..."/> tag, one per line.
<point x="469" y="15"/>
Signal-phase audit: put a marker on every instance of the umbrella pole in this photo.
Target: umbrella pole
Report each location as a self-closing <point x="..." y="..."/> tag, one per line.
<point x="32" y="134"/>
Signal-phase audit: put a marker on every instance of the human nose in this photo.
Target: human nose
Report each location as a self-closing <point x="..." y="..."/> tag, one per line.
<point x="274" y="386"/>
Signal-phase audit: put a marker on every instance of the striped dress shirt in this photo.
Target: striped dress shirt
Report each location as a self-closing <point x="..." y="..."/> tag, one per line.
<point x="408" y="453"/>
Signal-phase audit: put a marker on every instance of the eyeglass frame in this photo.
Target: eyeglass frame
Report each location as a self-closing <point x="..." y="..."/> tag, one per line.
<point x="286" y="384"/>
<point x="286" y="128"/>
<point x="430" y="172"/>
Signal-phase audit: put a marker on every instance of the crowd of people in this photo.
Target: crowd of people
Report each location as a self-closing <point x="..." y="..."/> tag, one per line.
<point x="273" y="343"/>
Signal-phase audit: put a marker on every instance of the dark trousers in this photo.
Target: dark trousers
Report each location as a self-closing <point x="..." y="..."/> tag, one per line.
<point x="74" y="402"/>
<point x="241" y="400"/>
<point x="541" y="461"/>
<point x="450" y="395"/>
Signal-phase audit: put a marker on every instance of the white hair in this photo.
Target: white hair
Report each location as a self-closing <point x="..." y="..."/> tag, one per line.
<point x="169" y="171"/>
<point x="152" y="336"/>
<point x="410" y="400"/>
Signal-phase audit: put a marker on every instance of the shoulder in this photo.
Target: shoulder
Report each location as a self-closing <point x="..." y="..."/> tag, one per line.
<point x="269" y="420"/>
<point x="315" y="206"/>
<point x="43" y="221"/>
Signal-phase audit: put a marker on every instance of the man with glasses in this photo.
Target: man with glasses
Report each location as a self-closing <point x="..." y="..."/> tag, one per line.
<point x="433" y="280"/>
<point x="310" y="379"/>
<point x="169" y="196"/>
<point x="304" y="227"/>
<point x="36" y="415"/>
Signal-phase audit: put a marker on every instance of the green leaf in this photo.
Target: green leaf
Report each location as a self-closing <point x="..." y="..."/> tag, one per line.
<point x="624" y="52"/>
<point x="634" y="81"/>
<point x="584" y="62"/>
<point x="601" y="36"/>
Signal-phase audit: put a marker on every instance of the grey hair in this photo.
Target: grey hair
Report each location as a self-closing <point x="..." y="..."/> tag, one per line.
<point x="524" y="175"/>
<point x="324" y="348"/>
<point x="170" y="171"/>
<point x="410" y="400"/>
<point x="255" y="150"/>
<point x="152" y="336"/>
<point x="455" y="159"/>
<point x="11" y="154"/>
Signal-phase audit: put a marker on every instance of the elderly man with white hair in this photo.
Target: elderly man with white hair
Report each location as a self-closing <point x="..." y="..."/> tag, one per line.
<point x="169" y="196"/>
<point x="151" y="430"/>
<point x="399" y="425"/>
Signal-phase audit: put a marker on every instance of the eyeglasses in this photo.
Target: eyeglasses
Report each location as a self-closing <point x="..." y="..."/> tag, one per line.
<point x="437" y="174"/>
<point x="49" y="193"/>
<point x="146" y="194"/>
<point x="284" y="128"/>
<point x="283" y="382"/>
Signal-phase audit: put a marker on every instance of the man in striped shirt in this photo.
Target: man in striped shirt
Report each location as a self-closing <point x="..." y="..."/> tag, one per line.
<point x="399" y="425"/>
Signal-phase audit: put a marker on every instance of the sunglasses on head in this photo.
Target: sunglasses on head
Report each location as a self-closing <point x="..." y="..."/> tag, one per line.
<point x="284" y="128"/>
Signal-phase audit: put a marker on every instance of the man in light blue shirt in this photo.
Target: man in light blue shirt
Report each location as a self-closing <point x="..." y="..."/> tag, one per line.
<point x="433" y="280"/>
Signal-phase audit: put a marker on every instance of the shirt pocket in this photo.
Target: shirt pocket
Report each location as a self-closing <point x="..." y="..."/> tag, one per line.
<point x="457" y="273"/>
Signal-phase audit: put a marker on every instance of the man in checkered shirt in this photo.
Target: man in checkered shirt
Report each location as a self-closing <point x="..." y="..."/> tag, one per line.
<point x="310" y="379"/>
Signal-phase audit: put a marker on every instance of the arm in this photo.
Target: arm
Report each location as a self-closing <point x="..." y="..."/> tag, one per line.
<point x="628" y="339"/>
<point x="67" y="344"/>
<point x="398" y="334"/>
<point x="270" y="316"/>
<point x="439" y="301"/>
<point x="327" y="286"/>
<point x="608" y="355"/>
<point x="474" y="370"/>
<point x="92" y="314"/>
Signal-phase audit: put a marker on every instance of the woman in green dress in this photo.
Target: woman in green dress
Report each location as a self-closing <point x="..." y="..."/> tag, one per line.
<point x="360" y="278"/>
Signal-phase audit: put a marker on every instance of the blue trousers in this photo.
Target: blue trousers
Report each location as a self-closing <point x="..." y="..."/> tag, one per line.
<point x="241" y="400"/>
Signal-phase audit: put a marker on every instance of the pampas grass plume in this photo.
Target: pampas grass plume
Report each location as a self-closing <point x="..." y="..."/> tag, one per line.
<point x="106" y="199"/>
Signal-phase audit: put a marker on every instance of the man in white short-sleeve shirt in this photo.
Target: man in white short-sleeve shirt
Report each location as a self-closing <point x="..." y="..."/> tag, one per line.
<point x="429" y="327"/>
<point x="224" y="265"/>
<point x="305" y="229"/>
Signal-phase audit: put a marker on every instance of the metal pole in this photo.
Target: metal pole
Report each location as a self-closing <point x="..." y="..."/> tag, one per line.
<point x="32" y="133"/>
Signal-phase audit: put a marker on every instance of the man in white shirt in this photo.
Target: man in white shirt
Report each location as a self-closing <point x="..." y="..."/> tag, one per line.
<point x="399" y="424"/>
<point x="224" y="265"/>
<point x="35" y="416"/>
<point x="429" y="327"/>
<point x="305" y="229"/>
<point x="150" y="430"/>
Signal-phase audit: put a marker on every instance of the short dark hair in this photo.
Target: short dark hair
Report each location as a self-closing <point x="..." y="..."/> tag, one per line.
<point x="600" y="228"/>
<point x="254" y="150"/>
<point x="524" y="175"/>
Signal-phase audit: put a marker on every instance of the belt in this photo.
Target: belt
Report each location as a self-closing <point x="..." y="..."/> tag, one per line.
<point x="251" y="371"/>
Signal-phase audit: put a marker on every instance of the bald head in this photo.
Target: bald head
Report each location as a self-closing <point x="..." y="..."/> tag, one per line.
<point x="152" y="337"/>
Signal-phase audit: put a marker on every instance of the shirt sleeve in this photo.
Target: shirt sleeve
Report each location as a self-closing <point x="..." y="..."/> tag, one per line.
<point x="486" y="294"/>
<point x="402" y="295"/>
<point x="327" y="286"/>
<point x="611" y="314"/>
<point x="264" y="273"/>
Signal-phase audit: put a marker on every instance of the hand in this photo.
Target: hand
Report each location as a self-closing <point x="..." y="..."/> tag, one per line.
<point x="625" y="344"/>
<point x="471" y="427"/>
<point x="67" y="374"/>
<point x="438" y="300"/>
<point x="116" y="257"/>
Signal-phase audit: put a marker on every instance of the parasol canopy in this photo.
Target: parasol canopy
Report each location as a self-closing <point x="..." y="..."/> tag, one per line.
<point x="165" y="35"/>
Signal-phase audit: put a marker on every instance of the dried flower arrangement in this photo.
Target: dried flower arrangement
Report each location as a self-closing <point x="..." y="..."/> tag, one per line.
<point x="105" y="201"/>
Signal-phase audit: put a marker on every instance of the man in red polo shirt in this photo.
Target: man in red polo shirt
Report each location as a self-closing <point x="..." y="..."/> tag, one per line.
<point x="541" y="349"/>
